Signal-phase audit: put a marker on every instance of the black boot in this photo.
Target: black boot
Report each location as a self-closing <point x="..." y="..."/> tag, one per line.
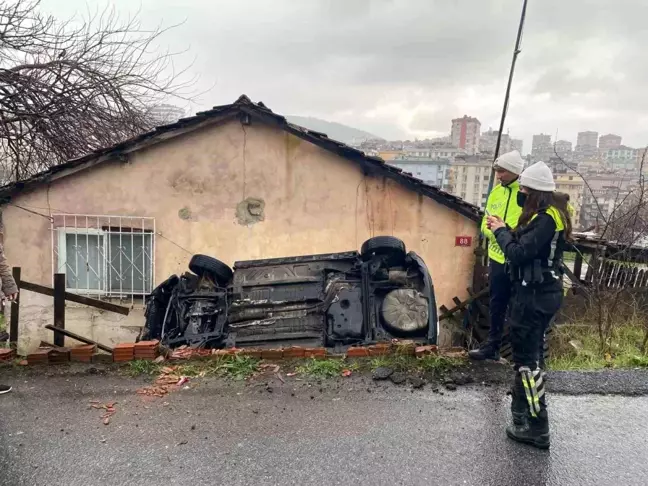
<point x="535" y="427"/>
<point x="518" y="407"/>
<point x="488" y="350"/>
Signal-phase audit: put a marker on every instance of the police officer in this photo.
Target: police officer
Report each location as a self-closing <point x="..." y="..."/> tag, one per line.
<point x="533" y="254"/>
<point x="502" y="203"/>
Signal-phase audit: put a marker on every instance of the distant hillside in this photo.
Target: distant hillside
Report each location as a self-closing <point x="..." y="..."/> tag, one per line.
<point x="334" y="130"/>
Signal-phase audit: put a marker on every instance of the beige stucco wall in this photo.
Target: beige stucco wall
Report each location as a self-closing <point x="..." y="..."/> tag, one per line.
<point x="315" y="202"/>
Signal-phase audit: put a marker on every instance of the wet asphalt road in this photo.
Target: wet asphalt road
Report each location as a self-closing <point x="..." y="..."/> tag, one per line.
<point x="214" y="433"/>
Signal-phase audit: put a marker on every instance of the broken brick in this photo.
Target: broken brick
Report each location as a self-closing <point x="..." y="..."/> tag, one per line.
<point x="425" y="350"/>
<point x="7" y="354"/>
<point x="357" y="352"/>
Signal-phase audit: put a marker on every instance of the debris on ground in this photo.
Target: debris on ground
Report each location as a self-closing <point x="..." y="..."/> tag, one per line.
<point x="382" y="373"/>
<point x="166" y="382"/>
<point x="461" y="378"/>
<point x="398" y="378"/>
<point x="346" y="373"/>
<point x="109" y="408"/>
<point x="417" y="382"/>
<point x="451" y="386"/>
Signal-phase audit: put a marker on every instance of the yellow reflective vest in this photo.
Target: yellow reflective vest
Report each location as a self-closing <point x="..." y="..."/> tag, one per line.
<point x="502" y="202"/>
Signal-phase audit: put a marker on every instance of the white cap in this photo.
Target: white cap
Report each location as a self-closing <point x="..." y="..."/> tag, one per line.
<point x="511" y="161"/>
<point x="538" y="177"/>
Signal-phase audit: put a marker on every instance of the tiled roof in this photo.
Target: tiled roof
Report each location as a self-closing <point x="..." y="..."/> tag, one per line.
<point x="242" y="107"/>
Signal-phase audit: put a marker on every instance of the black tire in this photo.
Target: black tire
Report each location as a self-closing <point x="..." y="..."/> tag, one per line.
<point x="203" y="264"/>
<point x="382" y="245"/>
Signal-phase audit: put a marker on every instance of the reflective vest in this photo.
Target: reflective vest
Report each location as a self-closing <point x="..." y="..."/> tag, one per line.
<point x="502" y="202"/>
<point x="557" y="242"/>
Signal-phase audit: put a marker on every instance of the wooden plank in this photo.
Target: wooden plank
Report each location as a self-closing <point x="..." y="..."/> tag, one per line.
<point x="59" y="308"/>
<point x="72" y="335"/>
<point x="15" y="312"/>
<point x="578" y="265"/>
<point x="99" y="304"/>
<point x="445" y="312"/>
<point x="456" y="300"/>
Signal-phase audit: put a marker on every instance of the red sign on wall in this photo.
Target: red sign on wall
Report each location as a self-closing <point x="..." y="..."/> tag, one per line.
<point x="463" y="241"/>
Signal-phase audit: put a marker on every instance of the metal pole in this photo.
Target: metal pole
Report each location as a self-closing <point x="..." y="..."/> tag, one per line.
<point x="516" y="51"/>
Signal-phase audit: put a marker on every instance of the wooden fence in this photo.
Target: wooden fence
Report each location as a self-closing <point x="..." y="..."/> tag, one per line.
<point x="60" y="296"/>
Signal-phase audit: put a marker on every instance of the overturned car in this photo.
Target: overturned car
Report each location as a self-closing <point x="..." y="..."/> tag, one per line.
<point x="333" y="300"/>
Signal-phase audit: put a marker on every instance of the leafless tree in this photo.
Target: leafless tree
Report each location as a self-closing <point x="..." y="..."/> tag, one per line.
<point x="70" y="87"/>
<point x="622" y="233"/>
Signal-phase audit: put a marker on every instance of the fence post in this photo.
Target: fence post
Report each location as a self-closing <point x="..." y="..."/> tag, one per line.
<point x="15" y="310"/>
<point x="578" y="265"/>
<point x="59" y="308"/>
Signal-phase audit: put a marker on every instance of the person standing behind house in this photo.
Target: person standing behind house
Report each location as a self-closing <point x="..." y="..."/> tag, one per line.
<point x="9" y="287"/>
<point x="502" y="202"/>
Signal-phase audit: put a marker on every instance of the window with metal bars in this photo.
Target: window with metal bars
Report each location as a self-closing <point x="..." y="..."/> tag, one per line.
<point x="100" y="256"/>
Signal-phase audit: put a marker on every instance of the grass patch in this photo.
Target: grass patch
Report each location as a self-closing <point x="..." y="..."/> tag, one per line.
<point x="325" y="368"/>
<point x="235" y="367"/>
<point x="578" y="347"/>
<point x="142" y="367"/>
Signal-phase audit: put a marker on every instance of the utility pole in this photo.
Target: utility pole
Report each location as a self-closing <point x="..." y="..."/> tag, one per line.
<point x="516" y="51"/>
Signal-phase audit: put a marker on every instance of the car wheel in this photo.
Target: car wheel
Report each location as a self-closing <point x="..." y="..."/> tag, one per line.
<point x="382" y="245"/>
<point x="203" y="264"/>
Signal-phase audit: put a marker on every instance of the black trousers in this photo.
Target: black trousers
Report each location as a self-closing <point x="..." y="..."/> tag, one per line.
<point x="500" y="286"/>
<point x="532" y="310"/>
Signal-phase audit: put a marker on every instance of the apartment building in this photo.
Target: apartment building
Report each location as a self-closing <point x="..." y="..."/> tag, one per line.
<point x="465" y="134"/>
<point x="468" y="178"/>
<point x="572" y="185"/>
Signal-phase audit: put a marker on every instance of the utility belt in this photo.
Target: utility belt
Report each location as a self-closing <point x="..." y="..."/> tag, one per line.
<point x="533" y="273"/>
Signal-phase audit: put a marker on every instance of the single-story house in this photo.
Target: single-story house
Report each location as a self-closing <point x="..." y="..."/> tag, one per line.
<point x="235" y="182"/>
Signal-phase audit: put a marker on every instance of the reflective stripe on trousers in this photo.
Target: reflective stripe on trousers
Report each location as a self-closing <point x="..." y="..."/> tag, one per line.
<point x="533" y="388"/>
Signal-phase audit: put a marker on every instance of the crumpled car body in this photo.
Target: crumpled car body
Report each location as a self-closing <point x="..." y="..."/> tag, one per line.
<point x="333" y="300"/>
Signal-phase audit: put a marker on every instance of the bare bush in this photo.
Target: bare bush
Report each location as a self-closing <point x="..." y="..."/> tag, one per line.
<point x="613" y="265"/>
<point x="70" y="87"/>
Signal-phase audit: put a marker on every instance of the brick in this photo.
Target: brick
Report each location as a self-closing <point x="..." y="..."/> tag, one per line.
<point x="124" y="352"/>
<point x="40" y="356"/>
<point x="357" y="352"/>
<point x="272" y="354"/>
<point x="251" y="352"/>
<point x="7" y="354"/>
<point x="315" y="353"/>
<point x="59" y="356"/>
<point x="294" y="352"/>
<point x="425" y="350"/>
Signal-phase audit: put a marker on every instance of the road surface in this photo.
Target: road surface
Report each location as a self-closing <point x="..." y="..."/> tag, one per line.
<point x="351" y="433"/>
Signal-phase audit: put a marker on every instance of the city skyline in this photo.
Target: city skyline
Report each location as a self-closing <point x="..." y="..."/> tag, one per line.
<point x="401" y="70"/>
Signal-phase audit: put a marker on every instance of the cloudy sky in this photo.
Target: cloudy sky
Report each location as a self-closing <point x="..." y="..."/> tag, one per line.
<point x="405" y="68"/>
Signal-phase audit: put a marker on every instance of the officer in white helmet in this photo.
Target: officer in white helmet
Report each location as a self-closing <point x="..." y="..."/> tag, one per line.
<point x="533" y="253"/>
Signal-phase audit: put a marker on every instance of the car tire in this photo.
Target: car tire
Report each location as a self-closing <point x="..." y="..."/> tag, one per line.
<point x="382" y="245"/>
<point x="203" y="264"/>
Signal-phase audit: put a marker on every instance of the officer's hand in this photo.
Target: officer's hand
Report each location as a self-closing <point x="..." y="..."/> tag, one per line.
<point x="495" y="223"/>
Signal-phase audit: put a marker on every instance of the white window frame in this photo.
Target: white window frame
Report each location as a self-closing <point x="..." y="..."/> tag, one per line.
<point x="62" y="257"/>
<point x="105" y="289"/>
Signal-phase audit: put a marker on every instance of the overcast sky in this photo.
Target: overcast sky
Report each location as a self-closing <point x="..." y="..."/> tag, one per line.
<point x="405" y="68"/>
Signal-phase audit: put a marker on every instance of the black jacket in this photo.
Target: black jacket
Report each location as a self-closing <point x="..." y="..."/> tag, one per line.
<point x="528" y="243"/>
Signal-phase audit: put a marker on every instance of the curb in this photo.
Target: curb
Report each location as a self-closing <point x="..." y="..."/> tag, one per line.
<point x="151" y="351"/>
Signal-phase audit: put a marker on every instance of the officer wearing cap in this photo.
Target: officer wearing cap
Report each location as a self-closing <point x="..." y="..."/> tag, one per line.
<point x="501" y="203"/>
